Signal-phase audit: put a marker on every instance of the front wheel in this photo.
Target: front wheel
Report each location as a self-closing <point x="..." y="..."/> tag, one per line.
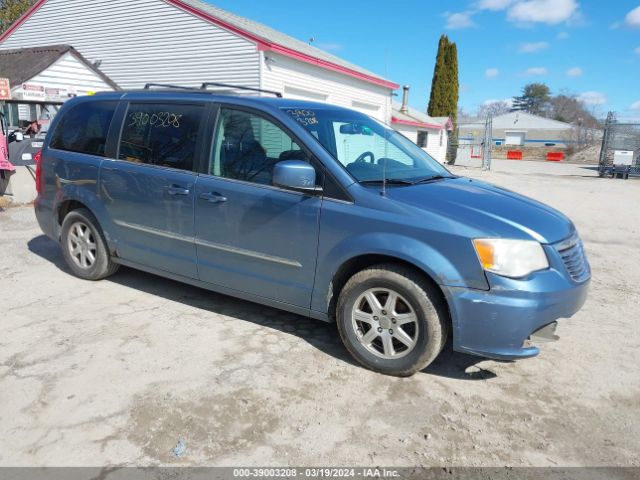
<point x="84" y="248"/>
<point x="392" y="320"/>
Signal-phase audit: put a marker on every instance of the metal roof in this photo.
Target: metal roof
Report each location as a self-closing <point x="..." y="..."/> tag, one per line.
<point x="271" y="36"/>
<point x="521" y="120"/>
<point x="22" y="64"/>
<point x="418" y="119"/>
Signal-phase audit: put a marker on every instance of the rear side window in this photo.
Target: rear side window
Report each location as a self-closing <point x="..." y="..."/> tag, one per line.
<point x="84" y="128"/>
<point x="161" y="134"/>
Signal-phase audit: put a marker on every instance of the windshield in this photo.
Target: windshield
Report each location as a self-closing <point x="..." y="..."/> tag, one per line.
<point x="368" y="149"/>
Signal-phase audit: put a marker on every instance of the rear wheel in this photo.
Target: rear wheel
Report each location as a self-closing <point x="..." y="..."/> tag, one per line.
<point x="84" y="248"/>
<point x="392" y="320"/>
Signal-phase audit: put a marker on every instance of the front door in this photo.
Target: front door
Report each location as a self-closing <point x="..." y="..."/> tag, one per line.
<point x="251" y="236"/>
<point x="149" y="191"/>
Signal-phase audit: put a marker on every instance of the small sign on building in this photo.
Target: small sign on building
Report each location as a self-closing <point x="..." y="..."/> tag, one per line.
<point x="56" y="94"/>
<point x="5" y="89"/>
<point x="31" y="91"/>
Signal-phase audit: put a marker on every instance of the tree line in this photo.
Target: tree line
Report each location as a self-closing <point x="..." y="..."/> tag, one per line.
<point x="537" y="99"/>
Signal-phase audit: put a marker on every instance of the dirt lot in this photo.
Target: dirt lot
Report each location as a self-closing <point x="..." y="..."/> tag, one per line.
<point x="117" y="372"/>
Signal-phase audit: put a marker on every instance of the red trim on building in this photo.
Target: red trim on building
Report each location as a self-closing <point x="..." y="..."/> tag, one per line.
<point x="21" y="20"/>
<point x="330" y="66"/>
<point x="449" y="125"/>
<point x="210" y="18"/>
<point x="262" y="44"/>
<point x="416" y="124"/>
<point x="266" y="46"/>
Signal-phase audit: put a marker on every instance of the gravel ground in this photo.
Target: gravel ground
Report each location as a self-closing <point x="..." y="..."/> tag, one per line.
<point x="117" y="372"/>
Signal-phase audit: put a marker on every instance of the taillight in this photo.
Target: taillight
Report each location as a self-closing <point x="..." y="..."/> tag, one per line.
<point x="37" y="157"/>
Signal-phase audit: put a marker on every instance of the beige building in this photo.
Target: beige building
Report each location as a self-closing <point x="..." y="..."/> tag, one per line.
<point x="518" y="129"/>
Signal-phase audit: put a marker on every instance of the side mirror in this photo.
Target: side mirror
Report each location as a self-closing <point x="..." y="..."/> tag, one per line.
<point x="295" y="174"/>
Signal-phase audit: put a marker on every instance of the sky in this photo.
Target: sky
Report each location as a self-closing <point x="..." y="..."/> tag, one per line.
<point x="590" y="48"/>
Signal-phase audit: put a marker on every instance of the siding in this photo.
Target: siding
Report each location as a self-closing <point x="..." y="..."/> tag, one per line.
<point x="303" y="81"/>
<point x="142" y="41"/>
<point x="433" y="148"/>
<point x="69" y="71"/>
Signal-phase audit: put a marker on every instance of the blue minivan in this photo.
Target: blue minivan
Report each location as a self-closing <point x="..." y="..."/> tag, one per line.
<point x="313" y="209"/>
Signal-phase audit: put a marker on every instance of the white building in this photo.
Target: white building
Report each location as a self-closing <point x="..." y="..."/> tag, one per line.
<point x="429" y="133"/>
<point x="188" y="42"/>
<point x="43" y="77"/>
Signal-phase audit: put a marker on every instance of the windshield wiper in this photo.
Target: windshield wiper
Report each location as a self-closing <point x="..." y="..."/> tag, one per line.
<point x="431" y="179"/>
<point x="388" y="181"/>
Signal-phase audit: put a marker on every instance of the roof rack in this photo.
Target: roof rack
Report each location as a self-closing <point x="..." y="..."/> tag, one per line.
<point x="206" y="85"/>
<point x="149" y="86"/>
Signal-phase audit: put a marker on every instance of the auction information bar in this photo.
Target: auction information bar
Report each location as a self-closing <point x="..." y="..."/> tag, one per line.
<point x="232" y="473"/>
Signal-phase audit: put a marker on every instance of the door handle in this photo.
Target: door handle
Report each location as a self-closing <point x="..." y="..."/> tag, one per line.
<point x="177" y="190"/>
<point x="213" y="197"/>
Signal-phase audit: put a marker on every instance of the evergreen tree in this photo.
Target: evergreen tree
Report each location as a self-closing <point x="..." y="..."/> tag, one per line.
<point x="445" y="89"/>
<point x="11" y="10"/>
<point x="437" y="101"/>
<point x="453" y="86"/>
<point x="443" y="101"/>
<point x="535" y="99"/>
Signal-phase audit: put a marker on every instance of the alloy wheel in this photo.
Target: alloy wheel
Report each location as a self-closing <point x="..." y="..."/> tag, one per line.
<point x="82" y="245"/>
<point x="385" y="323"/>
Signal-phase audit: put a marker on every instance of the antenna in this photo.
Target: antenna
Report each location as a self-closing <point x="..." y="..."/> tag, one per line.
<point x="384" y="179"/>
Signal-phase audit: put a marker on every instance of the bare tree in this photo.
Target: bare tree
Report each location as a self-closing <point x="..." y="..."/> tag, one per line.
<point x="586" y="131"/>
<point x="498" y="107"/>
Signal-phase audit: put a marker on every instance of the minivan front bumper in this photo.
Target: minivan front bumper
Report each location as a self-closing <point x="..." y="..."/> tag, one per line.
<point x="496" y="323"/>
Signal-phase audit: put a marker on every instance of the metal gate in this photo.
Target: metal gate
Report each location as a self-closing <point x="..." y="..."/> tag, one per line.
<point x="475" y="144"/>
<point x="620" y="146"/>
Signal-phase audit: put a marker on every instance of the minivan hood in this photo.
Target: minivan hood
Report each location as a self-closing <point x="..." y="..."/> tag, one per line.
<point x="493" y="210"/>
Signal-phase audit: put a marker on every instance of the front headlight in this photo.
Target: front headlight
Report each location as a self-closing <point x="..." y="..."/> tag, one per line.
<point x="510" y="258"/>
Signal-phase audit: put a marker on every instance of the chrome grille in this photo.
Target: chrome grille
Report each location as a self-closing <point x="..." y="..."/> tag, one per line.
<point x="572" y="253"/>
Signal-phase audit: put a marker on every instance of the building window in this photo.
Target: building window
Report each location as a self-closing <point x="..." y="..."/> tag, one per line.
<point x="164" y="135"/>
<point x="441" y="137"/>
<point x="84" y="128"/>
<point x="422" y="139"/>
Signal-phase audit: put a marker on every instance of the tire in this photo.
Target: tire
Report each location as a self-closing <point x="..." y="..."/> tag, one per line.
<point x="84" y="248"/>
<point x="413" y="344"/>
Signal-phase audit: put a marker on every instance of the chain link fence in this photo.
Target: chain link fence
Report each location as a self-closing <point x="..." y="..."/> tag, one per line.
<point x="475" y="144"/>
<point x="620" y="148"/>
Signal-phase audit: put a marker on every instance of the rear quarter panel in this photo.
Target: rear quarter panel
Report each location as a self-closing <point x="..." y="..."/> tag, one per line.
<point x="72" y="176"/>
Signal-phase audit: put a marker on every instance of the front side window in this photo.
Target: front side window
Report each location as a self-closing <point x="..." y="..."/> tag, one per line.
<point x="84" y="128"/>
<point x="369" y="150"/>
<point x="164" y="135"/>
<point x="248" y="146"/>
